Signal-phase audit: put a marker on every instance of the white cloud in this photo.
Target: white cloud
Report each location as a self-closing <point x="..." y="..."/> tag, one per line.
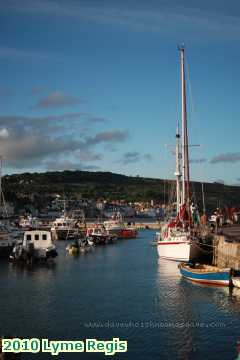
<point x="4" y="133"/>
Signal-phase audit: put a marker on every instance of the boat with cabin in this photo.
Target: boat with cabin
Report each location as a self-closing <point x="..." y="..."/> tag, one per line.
<point x="129" y="232"/>
<point x="117" y="227"/>
<point x="36" y="245"/>
<point x="69" y="227"/>
<point x="64" y="228"/>
<point x="29" y="223"/>
<point x="98" y="235"/>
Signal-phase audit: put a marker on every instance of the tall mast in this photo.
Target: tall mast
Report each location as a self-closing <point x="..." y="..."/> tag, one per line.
<point x="178" y="171"/>
<point x="1" y="203"/>
<point x="185" y="157"/>
<point x="2" y="199"/>
<point x="203" y="200"/>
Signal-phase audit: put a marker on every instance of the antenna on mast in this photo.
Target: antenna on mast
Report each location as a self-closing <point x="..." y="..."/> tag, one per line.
<point x="181" y="47"/>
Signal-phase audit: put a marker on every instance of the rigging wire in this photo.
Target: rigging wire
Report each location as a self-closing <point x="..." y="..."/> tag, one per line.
<point x="194" y="120"/>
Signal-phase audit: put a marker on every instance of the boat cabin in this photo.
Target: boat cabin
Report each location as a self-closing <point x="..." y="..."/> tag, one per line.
<point x="63" y="223"/>
<point x="40" y="238"/>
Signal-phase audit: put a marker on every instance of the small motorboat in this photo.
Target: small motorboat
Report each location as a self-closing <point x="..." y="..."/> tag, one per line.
<point x="73" y="249"/>
<point x="205" y="274"/>
<point x="236" y="281"/>
<point x="98" y="235"/>
<point x="79" y="246"/>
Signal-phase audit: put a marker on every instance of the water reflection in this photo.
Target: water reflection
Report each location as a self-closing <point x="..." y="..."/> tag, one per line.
<point x="173" y="305"/>
<point x="124" y="283"/>
<point x="193" y="311"/>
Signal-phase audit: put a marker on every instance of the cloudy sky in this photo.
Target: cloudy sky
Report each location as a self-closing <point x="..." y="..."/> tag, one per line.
<point x="95" y="85"/>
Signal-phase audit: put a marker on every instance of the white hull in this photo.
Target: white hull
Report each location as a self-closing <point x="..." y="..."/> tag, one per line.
<point x="178" y="251"/>
<point x="178" y="248"/>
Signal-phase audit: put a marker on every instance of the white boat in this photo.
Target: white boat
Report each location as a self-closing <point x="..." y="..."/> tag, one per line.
<point x="176" y="245"/>
<point x="98" y="235"/>
<point x="29" y="223"/>
<point x="115" y="225"/>
<point x="64" y="228"/>
<point x="36" y="245"/>
<point x="175" y="241"/>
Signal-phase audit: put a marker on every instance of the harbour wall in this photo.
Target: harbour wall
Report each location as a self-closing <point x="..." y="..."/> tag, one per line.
<point x="226" y="252"/>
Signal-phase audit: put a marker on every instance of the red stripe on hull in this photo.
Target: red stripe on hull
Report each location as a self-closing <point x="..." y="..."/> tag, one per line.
<point x="207" y="282"/>
<point x="173" y="243"/>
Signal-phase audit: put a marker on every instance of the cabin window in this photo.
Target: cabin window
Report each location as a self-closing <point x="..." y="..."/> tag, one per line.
<point x="29" y="237"/>
<point x="59" y="224"/>
<point x="64" y="224"/>
<point x="44" y="236"/>
<point x="36" y="237"/>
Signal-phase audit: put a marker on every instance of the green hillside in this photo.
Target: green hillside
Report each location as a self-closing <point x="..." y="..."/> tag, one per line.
<point x="40" y="187"/>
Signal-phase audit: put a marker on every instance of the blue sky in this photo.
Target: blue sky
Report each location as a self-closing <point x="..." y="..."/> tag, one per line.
<point x="95" y="85"/>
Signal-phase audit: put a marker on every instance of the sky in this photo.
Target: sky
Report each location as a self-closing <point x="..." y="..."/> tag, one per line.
<point x="95" y="85"/>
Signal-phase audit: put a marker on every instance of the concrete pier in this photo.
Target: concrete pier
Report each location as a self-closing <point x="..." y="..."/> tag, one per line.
<point x="227" y="248"/>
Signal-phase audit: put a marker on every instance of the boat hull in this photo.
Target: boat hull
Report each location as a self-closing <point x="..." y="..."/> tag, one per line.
<point x="182" y="247"/>
<point x="174" y="250"/>
<point x="64" y="234"/>
<point x="207" y="277"/>
<point x="5" y="250"/>
<point x="179" y="250"/>
<point x="128" y="234"/>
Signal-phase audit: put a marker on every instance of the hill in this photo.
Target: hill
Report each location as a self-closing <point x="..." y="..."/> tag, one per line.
<point x="40" y="187"/>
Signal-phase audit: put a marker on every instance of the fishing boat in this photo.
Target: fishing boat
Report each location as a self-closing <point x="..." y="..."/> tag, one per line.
<point x="67" y="226"/>
<point x="177" y="238"/>
<point x="129" y="232"/>
<point x="98" y="235"/>
<point x="64" y="228"/>
<point x="29" y="223"/>
<point x="115" y="225"/>
<point x="36" y="245"/>
<point x="206" y="274"/>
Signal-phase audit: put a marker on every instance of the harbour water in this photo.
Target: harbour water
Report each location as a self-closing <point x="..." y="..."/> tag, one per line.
<point x="121" y="290"/>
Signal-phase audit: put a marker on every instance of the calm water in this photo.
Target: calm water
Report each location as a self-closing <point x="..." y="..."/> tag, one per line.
<point x="124" y="291"/>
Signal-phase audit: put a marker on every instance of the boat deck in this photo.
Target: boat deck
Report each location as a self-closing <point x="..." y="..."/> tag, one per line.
<point x="204" y="268"/>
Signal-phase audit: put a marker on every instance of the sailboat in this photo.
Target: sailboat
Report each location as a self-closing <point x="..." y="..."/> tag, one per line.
<point x="176" y="241"/>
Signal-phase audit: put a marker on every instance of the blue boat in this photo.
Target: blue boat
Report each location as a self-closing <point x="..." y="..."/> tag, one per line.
<point x="205" y="274"/>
